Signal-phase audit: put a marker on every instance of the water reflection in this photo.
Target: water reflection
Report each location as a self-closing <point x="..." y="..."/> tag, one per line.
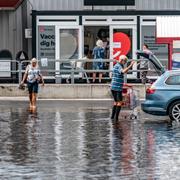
<point x="97" y="151"/>
<point x="79" y="142"/>
<point x="21" y="138"/>
<point x="122" y="145"/>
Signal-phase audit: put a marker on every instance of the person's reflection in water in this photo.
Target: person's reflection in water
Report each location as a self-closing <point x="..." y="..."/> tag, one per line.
<point x="22" y="140"/>
<point x="97" y="152"/>
<point x="122" y="150"/>
<point x="150" y="153"/>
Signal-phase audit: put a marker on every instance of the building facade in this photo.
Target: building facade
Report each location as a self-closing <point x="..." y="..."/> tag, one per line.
<point x="62" y="29"/>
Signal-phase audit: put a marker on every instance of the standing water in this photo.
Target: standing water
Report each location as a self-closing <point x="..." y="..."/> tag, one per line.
<point x="76" y="140"/>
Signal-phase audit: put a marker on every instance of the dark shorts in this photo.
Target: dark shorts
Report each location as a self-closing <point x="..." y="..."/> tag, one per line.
<point x="117" y="95"/>
<point x="32" y="87"/>
<point x="97" y="65"/>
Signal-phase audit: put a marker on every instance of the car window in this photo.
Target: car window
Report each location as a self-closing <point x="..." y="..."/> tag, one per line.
<point x="173" y="80"/>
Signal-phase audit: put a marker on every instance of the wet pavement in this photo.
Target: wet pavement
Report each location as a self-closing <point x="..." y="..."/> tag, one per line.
<point x="74" y="140"/>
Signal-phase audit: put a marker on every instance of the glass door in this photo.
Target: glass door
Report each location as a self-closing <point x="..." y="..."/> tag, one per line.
<point x="123" y="42"/>
<point x="68" y="45"/>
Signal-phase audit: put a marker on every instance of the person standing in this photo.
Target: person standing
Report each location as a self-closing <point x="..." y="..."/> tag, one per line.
<point x="98" y="55"/>
<point x="33" y="77"/>
<point x="144" y="65"/>
<point x="117" y="85"/>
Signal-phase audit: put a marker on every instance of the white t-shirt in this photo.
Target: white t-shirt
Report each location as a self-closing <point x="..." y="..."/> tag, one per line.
<point x="33" y="73"/>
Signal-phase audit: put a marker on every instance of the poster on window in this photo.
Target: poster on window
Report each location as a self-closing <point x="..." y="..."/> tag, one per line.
<point x="46" y="48"/>
<point x="148" y="36"/>
<point x="121" y="44"/>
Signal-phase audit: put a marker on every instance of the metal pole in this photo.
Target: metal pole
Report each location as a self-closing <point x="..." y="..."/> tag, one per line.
<point x="125" y="75"/>
<point x="72" y="74"/>
<point x="20" y="71"/>
<point x="125" y="78"/>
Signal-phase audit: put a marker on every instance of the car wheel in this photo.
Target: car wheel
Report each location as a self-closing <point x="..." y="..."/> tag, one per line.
<point x="174" y="111"/>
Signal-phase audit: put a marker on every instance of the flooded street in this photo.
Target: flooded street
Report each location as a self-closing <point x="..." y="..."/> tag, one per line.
<point x="75" y="140"/>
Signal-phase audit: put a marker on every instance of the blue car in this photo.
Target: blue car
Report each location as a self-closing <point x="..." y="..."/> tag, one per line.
<point x="163" y="97"/>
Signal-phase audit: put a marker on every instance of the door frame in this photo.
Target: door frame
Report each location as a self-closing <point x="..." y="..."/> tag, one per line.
<point x="57" y="41"/>
<point x="134" y="44"/>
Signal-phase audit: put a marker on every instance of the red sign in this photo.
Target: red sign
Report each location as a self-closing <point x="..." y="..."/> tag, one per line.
<point x="121" y="44"/>
<point x="9" y="4"/>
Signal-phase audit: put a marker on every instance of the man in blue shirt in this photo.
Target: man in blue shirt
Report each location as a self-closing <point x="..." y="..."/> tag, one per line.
<point x="117" y="85"/>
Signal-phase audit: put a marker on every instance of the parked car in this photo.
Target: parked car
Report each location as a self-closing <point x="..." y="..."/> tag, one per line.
<point x="163" y="96"/>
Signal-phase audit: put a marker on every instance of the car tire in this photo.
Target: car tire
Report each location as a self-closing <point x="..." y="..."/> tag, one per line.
<point x="174" y="111"/>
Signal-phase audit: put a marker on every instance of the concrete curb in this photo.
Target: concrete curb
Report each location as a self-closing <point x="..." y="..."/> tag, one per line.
<point x="67" y="91"/>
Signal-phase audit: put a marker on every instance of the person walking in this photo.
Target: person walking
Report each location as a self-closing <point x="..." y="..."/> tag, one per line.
<point x="33" y="77"/>
<point x="98" y="54"/>
<point x="117" y="85"/>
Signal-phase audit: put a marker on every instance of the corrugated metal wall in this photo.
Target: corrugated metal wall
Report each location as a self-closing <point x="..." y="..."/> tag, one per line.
<point x="158" y="4"/>
<point x="11" y="31"/>
<point x="78" y="5"/>
<point x="57" y="4"/>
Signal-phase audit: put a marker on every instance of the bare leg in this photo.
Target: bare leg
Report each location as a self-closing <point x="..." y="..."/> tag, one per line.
<point x="34" y="96"/>
<point x="30" y="99"/>
<point x="94" y="77"/>
<point x="100" y="77"/>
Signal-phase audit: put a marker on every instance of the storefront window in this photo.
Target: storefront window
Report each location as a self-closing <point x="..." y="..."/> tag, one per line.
<point x="69" y="46"/>
<point x="148" y="34"/>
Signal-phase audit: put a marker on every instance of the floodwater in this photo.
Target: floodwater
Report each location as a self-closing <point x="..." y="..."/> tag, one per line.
<point x="66" y="140"/>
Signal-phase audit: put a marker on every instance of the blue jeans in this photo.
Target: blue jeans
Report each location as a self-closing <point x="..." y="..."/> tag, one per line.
<point x="32" y="87"/>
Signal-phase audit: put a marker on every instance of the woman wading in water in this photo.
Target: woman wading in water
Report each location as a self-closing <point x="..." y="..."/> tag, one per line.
<point x="33" y="77"/>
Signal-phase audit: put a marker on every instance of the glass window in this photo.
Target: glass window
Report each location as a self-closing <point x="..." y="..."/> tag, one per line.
<point x="173" y="80"/>
<point x="69" y="43"/>
<point x="69" y="47"/>
<point x="148" y="36"/>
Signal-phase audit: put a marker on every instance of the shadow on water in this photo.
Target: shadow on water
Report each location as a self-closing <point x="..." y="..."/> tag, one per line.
<point x="78" y="141"/>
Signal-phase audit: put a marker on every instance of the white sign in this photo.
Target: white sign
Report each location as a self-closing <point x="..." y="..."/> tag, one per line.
<point x="44" y="62"/>
<point x="22" y="56"/>
<point x="28" y="33"/>
<point x="116" y="45"/>
<point x="5" y="68"/>
<point x="176" y="44"/>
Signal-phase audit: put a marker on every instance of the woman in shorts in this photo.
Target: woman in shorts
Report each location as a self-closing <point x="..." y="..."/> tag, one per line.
<point x="33" y="77"/>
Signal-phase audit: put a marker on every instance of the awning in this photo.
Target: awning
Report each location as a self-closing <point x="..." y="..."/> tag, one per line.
<point x="9" y="4"/>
